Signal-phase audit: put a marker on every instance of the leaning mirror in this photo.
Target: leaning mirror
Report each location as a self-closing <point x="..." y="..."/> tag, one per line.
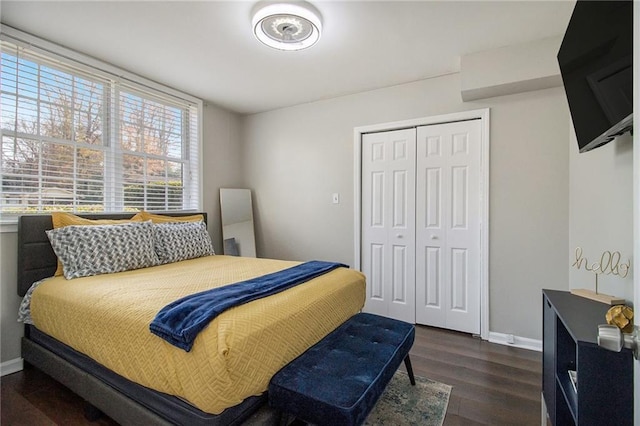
<point x="237" y="222"/>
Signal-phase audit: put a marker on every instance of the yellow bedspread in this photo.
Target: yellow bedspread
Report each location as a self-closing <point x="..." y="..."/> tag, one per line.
<point x="107" y="318"/>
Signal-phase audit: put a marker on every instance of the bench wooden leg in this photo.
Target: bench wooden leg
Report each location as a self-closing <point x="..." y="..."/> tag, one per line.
<point x="407" y="363"/>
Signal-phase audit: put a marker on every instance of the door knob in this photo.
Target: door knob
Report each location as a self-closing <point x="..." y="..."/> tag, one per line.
<point x="434" y="237"/>
<point x="398" y="235"/>
<point x="612" y="338"/>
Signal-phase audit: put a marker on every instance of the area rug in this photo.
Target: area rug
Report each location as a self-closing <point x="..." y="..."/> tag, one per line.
<point x="401" y="404"/>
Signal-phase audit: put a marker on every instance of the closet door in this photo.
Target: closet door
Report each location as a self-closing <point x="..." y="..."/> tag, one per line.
<point x="388" y="223"/>
<point x="448" y="226"/>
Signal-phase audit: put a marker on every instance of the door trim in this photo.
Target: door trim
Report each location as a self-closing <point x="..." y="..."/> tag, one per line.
<point x="479" y="114"/>
<point x="636" y="200"/>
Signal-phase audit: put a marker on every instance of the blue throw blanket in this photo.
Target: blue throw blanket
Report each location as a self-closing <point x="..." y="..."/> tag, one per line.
<point x="180" y="322"/>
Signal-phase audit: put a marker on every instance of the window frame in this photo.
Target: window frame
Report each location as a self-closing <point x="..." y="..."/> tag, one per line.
<point x="122" y="80"/>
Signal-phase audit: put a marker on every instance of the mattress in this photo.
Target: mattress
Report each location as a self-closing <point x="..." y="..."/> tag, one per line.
<point x="106" y="317"/>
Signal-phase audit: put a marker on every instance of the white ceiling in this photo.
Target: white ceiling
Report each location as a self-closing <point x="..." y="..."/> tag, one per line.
<point x="207" y="48"/>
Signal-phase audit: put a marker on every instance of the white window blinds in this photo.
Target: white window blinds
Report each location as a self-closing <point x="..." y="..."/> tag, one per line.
<point x="79" y="139"/>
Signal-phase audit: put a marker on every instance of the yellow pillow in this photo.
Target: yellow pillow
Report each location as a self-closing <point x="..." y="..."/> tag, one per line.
<point x="162" y="218"/>
<point x="62" y="219"/>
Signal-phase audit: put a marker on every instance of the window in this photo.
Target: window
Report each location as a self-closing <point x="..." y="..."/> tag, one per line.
<point x="77" y="138"/>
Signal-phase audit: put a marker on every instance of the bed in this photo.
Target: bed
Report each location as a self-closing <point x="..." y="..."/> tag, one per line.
<point x="114" y="386"/>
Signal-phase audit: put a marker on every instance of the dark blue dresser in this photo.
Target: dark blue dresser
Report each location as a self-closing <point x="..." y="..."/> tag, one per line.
<point x="603" y="394"/>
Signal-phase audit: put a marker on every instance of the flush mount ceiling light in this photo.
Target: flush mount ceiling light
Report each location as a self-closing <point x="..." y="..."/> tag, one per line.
<point x="287" y="26"/>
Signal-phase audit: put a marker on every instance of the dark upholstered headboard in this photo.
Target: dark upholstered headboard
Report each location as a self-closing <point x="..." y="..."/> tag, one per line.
<point x="36" y="259"/>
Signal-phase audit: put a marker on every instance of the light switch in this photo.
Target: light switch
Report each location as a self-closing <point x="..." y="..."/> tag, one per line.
<point x="336" y="198"/>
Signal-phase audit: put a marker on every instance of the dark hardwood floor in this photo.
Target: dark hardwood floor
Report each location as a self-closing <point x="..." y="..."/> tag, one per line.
<point x="492" y="385"/>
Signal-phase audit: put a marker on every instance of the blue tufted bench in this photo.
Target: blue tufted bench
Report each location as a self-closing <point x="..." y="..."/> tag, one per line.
<point x="339" y="380"/>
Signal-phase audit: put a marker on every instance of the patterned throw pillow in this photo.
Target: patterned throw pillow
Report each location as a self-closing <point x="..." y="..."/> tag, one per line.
<point x="103" y="249"/>
<point x="181" y="241"/>
<point x="61" y="219"/>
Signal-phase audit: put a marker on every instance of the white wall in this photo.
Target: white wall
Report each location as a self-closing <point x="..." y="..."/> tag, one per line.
<point x="295" y="158"/>
<point x="222" y="168"/>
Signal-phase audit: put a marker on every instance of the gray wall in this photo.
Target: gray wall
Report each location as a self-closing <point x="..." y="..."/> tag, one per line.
<point x="601" y="212"/>
<point x="222" y="164"/>
<point x="222" y="168"/>
<point x="295" y="158"/>
<point x="10" y="329"/>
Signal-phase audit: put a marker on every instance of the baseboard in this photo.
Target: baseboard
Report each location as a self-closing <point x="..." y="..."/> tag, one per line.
<point x="518" y="342"/>
<point x="11" y="366"/>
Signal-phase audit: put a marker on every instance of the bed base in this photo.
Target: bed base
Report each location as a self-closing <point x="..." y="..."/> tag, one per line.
<point x="109" y="401"/>
<point x="124" y="401"/>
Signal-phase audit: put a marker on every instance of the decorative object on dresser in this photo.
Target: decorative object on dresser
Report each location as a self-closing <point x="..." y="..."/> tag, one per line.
<point x="610" y="264"/>
<point x="603" y="380"/>
<point x="621" y="316"/>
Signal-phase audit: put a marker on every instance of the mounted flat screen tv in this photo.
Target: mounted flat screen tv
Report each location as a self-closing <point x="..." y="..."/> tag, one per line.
<point x="596" y="63"/>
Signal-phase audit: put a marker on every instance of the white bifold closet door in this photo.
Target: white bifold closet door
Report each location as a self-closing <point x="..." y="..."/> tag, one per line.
<point x="420" y="243"/>
<point x="388" y="222"/>
<point x="448" y="226"/>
